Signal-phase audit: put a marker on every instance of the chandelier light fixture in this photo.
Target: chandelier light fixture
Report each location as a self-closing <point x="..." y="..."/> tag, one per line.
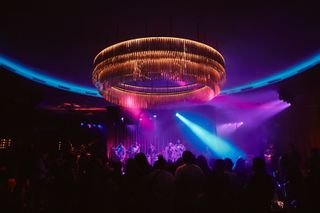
<point x="153" y="72"/>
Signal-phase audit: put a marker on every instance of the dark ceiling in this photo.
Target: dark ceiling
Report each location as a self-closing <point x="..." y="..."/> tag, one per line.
<point x="257" y="38"/>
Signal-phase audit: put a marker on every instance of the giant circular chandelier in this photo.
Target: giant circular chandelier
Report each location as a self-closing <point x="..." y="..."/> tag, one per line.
<point x="155" y="71"/>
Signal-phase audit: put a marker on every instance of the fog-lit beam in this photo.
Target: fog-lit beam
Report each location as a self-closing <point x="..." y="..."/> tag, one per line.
<point x="219" y="146"/>
<point x="228" y="128"/>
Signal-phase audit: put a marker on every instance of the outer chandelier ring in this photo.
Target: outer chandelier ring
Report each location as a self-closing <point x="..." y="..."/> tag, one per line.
<point x="128" y="73"/>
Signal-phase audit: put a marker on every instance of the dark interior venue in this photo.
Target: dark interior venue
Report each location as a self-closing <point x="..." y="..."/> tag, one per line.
<point x="159" y="106"/>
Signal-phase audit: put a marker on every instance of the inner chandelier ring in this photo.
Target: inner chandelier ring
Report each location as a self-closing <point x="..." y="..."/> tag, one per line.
<point x="156" y="71"/>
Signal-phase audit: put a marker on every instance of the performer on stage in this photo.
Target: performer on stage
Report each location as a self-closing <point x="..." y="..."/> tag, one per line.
<point x="134" y="149"/>
<point x="120" y="152"/>
<point x="170" y="150"/>
<point x="152" y="154"/>
<point x="180" y="148"/>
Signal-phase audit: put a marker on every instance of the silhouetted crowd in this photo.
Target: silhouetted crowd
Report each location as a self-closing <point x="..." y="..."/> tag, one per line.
<point x="66" y="182"/>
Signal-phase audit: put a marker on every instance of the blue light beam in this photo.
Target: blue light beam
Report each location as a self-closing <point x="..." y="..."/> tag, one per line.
<point x="219" y="146"/>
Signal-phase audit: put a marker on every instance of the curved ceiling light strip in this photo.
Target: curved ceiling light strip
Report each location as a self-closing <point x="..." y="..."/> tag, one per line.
<point x="45" y="79"/>
<point x="90" y="91"/>
<point x="279" y="76"/>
